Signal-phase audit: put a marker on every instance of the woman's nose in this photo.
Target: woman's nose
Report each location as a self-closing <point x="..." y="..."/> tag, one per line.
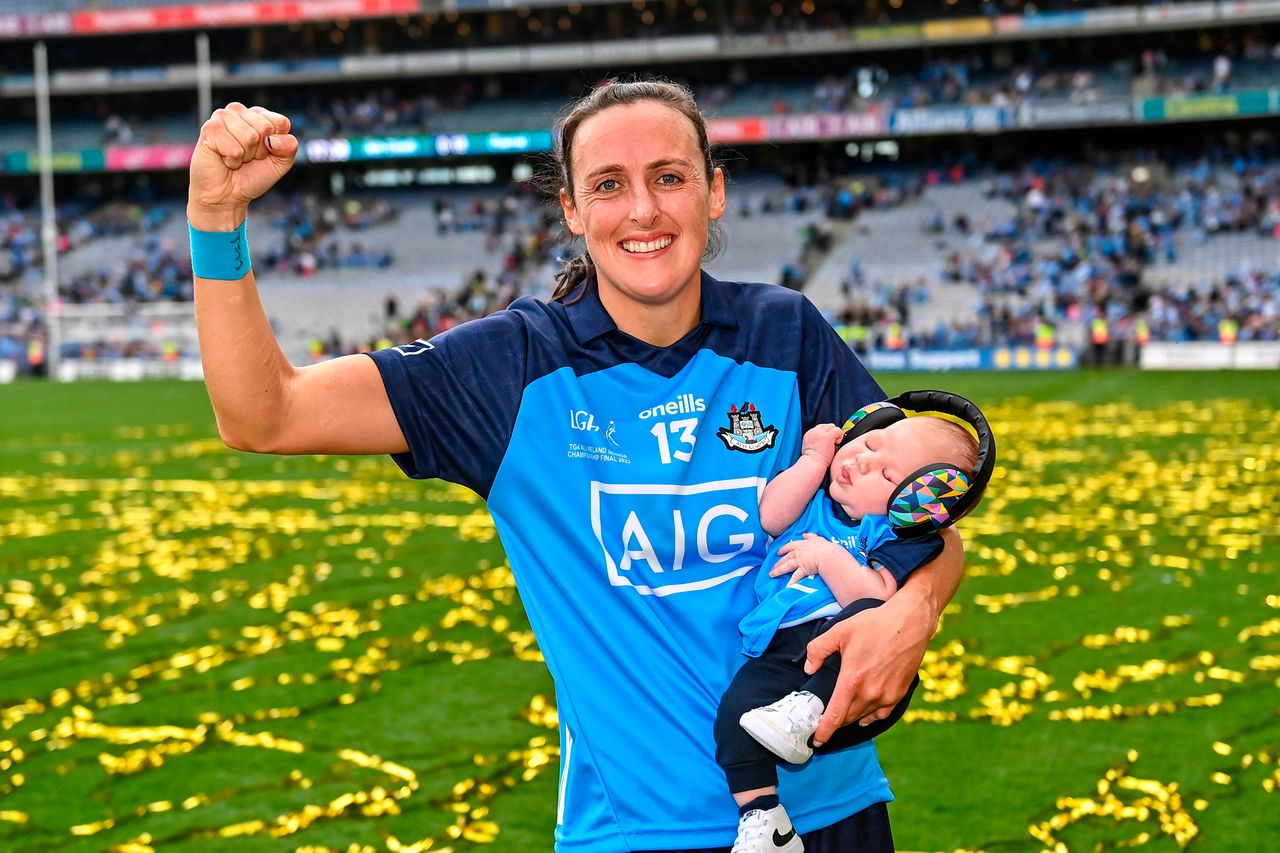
<point x="644" y="208"/>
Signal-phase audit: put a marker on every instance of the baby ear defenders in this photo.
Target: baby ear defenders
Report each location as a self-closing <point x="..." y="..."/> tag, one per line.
<point x="939" y="494"/>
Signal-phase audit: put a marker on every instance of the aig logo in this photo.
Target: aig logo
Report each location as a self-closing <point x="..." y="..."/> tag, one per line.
<point x="662" y="539"/>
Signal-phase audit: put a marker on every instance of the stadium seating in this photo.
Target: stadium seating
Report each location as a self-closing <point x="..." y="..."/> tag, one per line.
<point x="963" y="253"/>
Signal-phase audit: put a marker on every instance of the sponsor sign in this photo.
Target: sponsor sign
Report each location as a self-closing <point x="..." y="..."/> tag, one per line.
<point x="1059" y="115"/>
<point x="425" y="145"/>
<point x="818" y="126"/>
<point x="891" y="32"/>
<point x="825" y="126"/>
<point x="8" y="370"/>
<point x="233" y="14"/>
<point x="134" y="158"/>
<point x="925" y="120"/>
<point x="996" y="358"/>
<point x="958" y="28"/>
<point x="1179" y="13"/>
<point x="36" y="24"/>
<point x="1098" y="19"/>
<point x="1256" y="102"/>
<point x="129" y="370"/>
<point x="87" y="160"/>
<point x="1042" y="21"/>
<point x="731" y="130"/>
<point x="1210" y="355"/>
<point x="1249" y="9"/>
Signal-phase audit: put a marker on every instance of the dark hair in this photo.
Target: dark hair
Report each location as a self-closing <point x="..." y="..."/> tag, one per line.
<point x="615" y="93"/>
<point x="963" y="452"/>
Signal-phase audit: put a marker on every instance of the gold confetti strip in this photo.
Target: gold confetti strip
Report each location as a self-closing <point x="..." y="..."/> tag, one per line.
<point x="996" y="603"/>
<point x="92" y="828"/>
<point x="1157" y="800"/>
<point x="542" y="713"/>
<point x="1110" y="681"/>
<point x="1269" y="628"/>
<point x="1122" y="712"/>
<point x="1121" y="635"/>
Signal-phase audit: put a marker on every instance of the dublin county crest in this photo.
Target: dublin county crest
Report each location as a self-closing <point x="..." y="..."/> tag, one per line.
<point x="746" y="431"/>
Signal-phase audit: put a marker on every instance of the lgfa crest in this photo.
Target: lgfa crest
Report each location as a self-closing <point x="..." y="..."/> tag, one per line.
<point x="746" y="431"/>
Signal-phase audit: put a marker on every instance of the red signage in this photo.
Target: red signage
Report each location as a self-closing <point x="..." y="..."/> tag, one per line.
<point x="794" y="127"/>
<point x="135" y="158"/>
<point x="232" y="14"/>
<point x="730" y="130"/>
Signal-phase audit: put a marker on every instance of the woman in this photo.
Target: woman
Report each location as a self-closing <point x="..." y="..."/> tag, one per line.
<point x="621" y="434"/>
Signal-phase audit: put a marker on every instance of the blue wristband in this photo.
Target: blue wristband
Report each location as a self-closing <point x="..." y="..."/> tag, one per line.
<point x="220" y="255"/>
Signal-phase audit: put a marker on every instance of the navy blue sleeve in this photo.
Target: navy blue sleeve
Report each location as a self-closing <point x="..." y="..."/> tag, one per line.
<point x="903" y="556"/>
<point x="834" y="383"/>
<point x="456" y="397"/>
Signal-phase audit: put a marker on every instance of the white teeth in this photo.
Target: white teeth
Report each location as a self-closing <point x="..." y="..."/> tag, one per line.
<point x="651" y="246"/>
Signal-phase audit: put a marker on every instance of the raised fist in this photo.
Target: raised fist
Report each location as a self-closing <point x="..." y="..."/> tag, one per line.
<point x="242" y="152"/>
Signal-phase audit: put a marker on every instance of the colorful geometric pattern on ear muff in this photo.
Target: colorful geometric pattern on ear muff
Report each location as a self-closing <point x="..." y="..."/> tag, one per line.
<point x="939" y="494"/>
<point x="925" y="499"/>
<point x="871" y="416"/>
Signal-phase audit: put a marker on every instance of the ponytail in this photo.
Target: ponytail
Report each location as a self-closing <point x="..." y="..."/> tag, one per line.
<point x="575" y="272"/>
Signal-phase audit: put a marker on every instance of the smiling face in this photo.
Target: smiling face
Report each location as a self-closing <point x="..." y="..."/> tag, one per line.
<point x="867" y="470"/>
<point x="642" y="199"/>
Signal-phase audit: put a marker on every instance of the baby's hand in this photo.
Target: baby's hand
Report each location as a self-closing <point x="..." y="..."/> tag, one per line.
<point x="820" y="442"/>
<point x="803" y="557"/>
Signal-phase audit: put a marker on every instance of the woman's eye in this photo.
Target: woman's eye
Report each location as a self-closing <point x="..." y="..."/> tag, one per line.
<point x="669" y="179"/>
<point x="608" y="185"/>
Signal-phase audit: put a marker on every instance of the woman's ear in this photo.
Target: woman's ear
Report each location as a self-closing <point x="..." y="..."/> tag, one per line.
<point x="717" y="193"/>
<point x="571" y="214"/>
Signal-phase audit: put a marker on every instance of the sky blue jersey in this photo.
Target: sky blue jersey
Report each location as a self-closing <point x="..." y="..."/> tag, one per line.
<point x="624" y="480"/>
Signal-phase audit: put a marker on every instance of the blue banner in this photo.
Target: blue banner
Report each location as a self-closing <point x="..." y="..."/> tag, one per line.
<point x="426" y="145"/>
<point x="993" y="358"/>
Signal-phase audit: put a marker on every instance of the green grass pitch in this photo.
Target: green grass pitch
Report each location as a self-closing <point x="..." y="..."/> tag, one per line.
<point x="205" y="650"/>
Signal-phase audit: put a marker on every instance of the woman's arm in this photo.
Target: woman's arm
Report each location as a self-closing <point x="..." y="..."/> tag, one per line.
<point x="261" y="401"/>
<point x="881" y="649"/>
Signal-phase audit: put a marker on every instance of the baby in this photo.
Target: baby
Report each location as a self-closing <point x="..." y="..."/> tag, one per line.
<point x="838" y="551"/>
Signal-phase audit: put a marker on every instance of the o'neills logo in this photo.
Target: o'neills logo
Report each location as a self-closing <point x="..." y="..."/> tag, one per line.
<point x="746" y="431"/>
<point x="683" y="404"/>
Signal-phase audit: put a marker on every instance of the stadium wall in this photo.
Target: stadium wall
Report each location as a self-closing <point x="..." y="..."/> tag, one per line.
<point x="1191" y="355"/>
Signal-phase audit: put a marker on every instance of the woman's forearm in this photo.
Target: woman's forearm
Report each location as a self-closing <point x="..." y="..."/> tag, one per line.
<point x="881" y="649"/>
<point x="245" y="371"/>
<point x="930" y="589"/>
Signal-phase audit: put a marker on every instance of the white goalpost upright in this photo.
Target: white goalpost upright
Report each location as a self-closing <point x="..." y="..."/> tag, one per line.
<point x="161" y="323"/>
<point x="48" y="216"/>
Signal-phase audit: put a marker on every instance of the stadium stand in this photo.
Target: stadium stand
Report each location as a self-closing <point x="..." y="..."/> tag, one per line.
<point x="936" y="239"/>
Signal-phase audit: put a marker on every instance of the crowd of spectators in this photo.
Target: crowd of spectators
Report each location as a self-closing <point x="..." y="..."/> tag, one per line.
<point x="970" y="79"/>
<point x="1023" y="73"/>
<point x="318" y="234"/>
<point x="964" y="79"/>
<point x="517" y="227"/>
<point x="529" y="238"/>
<point x="1084" y="245"/>
<point x="1077" y="261"/>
